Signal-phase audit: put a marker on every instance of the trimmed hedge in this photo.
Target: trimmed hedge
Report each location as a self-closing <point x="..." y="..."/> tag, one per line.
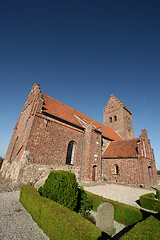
<point x="62" y="187"/>
<point x="123" y="213"/>
<point x="149" y="229"/>
<point x="57" y="221"/>
<point x="149" y="201"/>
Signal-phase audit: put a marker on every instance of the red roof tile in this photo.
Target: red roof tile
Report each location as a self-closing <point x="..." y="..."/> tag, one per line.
<point x="63" y="111"/>
<point x="123" y="148"/>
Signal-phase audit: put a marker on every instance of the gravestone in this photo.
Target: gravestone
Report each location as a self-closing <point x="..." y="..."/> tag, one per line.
<point x="105" y="218"/>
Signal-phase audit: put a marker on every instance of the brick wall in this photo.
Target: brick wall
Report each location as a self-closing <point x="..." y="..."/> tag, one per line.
<point x="48" y="143"/>
<point x="14" y="155"/>
<point x="148" y="161"/>
<point x="129" y="171"/>
<point x="105" y="144"/>
<point x="49" y="139"/>
<point x="91" y="160"/>
<point x="133" y="170"/>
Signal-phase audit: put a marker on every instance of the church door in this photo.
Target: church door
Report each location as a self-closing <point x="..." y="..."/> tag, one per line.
<point x="94" y="173"/>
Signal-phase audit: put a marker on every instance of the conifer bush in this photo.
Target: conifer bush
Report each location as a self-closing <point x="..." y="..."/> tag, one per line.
<point x="84" y="203"/>
<point x="158" y="194"/>
<point x="61" y="187"/>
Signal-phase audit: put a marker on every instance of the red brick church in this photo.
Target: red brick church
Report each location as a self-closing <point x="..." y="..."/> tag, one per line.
<point x="51" y="135"/>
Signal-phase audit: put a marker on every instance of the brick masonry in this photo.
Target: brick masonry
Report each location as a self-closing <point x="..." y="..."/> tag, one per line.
<point x="133" y="170"/>
<point x="117" y="116"/>
<point x="40" y="142"/>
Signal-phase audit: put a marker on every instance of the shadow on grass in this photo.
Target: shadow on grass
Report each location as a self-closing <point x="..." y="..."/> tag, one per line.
<point x="123" y="231"/>
<point x="138" y="202"/>
<point x="104" y="236"/>
<point x="146" y="214"/>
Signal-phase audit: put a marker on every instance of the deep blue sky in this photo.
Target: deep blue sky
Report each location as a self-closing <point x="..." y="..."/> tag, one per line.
<point x="80" y="52"/>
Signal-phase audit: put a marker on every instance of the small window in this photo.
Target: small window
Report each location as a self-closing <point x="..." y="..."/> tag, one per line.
<point x="110" y="119"/>
<point x="115" y="118"/>
<point x="116" y="169"/>
<point x="129" y="127"/>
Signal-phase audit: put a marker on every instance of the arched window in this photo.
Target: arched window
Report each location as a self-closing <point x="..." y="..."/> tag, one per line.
<point x="115" y="118"/>
<point x="116" y="169"/>
<point x="110" y="119"/>
<point x="70" y="152"/>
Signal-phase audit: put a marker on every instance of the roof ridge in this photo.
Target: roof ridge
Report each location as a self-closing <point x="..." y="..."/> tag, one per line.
<point x="127" y="140"/>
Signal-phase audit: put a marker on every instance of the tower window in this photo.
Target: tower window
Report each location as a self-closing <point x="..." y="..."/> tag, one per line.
<point x="110" y="119"/>
<point x="129" y="127"/>
<point x="115" y="118"/>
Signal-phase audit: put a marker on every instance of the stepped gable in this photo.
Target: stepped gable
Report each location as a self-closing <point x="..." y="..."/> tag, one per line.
<point x="115" y="102"/>
<point x="63" y="111"/>
<point x="124" y="148"/>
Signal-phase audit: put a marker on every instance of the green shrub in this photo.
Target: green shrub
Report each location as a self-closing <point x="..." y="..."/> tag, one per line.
<point x="84" y="203"/>
<point x="57" y="221"/>
<point x="123" y="213"/>
<point x="62" y="187"/>
<point x="148" y="201"/>
<point x="149" y="229"/>
<point x="158" y="194"/>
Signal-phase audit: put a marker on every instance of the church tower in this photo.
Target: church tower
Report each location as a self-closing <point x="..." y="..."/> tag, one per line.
<point x="118" y="117"/>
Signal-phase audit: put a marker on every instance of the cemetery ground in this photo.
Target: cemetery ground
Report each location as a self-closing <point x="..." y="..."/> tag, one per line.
<point x="16" y="223"/>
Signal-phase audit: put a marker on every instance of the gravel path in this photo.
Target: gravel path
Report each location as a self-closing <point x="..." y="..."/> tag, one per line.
<point x="120" y="193"/>
<point x="15" y="222"/>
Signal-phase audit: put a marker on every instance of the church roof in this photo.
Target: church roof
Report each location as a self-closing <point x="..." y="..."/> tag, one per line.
<point x="123" y="148"/>
<point x="63" y="111"/>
